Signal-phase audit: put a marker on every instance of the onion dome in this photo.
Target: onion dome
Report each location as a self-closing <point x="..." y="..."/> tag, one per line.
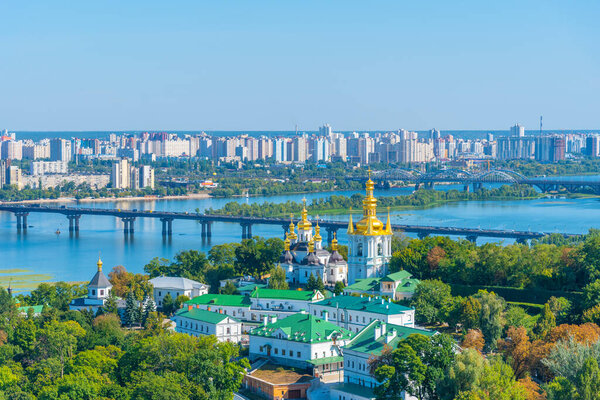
<point x="335" y="256"/>
<point x="286" y="256"/>
<point x="311" y="258"/>
<point x="292" y="235"/>
<point x="304" y="224"/>
<point x="317" y="237"/>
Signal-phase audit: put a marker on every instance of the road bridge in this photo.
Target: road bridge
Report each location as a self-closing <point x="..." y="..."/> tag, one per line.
<point x="74" y="214"/>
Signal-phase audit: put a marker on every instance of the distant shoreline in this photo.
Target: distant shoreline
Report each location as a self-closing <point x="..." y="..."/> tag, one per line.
<point x="109" y="199"/>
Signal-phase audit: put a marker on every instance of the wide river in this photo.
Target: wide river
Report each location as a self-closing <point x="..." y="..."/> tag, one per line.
<point x="60" y="257"/>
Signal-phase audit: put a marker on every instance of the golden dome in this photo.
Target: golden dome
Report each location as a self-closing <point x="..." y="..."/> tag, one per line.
<point x="311" y="246"/>
<point x="334" y="242"/>
<point x="369" y="224"/>
<point x="286" y="242"/>
<point x="304" y="224"/>
<point x="292" y="235"/>
<point x="99" y="264"/>
<point x="317" y="237"/>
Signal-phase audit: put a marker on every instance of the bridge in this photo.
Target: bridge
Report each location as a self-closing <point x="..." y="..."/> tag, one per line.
<point x="478" y="179"/>
<point x="74" y="214"/>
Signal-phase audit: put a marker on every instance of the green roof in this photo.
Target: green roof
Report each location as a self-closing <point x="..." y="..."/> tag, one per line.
<point x="234" y="300"/>
<point x="353" y="388"/>
<point x="202" y="315"/>
<point x="408" y="286"/>
<point x="302" y="327"/>
<point x="326" y="360"/>
<point x="303" y="295"/>
<point x="397" y="276"/>
<point x="374" y="305"/>
<point x="365" y="285"/>
<point x="36" y="309"/>
<point x="364" y="341"/>
<point x="251" y="287"/>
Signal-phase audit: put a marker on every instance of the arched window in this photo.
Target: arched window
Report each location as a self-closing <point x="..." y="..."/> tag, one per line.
<point x="379" y="249"/>
<point x="359" y="250"/>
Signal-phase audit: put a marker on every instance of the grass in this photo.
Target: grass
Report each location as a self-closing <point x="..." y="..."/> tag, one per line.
<point x="22" y="279"/>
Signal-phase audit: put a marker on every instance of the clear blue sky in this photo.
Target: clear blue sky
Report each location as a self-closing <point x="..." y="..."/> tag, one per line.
<point x="254" y="65"/>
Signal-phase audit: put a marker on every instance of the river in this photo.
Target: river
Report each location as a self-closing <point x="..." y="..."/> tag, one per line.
<point x="60" y="257"/>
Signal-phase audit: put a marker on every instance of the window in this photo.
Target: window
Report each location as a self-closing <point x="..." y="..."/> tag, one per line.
<point x="160" y="293"/>
<point x="305" y="274"/>
<point x="102" y="292"/>
<point x="298" y="354"/>
<point x="276" y="351"/>
<point x="359" y="251"/>
<point x="260" y="349"/>
<point x="229" y="331"/>
<point x="324" y="354"/>
<point x="316" y="355"/>
<point x="283" y="352"/>
<point x="379" y="249"/>
<point x="93" y="292"/>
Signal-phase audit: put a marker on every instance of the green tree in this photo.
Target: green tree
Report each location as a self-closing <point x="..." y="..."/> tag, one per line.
<point x="278" y="279"/>
<point x="111" y="306"/>
<point x="229" y="288"/>
<point x="431" y="301"/>
<point x="131" y="315"/>
<point x="490" y="320"/>
<point x="339" y="288"/>
<point x="561" y="308"/>
<point x="168" y="305"/>
<point x="311" y="283"/>
<point x="588" y="380"/>
<point x="463" y="374"/>
<point x="545" y="322"/>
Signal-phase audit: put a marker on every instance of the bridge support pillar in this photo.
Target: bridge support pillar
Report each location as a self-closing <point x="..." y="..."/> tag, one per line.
<point x="128" y="225"/>
<point x="73" y="222"/>
<point x="477" y="186"/>
<point x="203" y="230"/>
<point x="522" y="241"/>
<point x="422" y="235"/>
<point x="472" y="238"/>
<point x="285" y="231"/>
<point x="246" y="231"/>
<point x="209" y="229"/>
<point x="466" y="188"/>
<point x="21" y="220"/>
<point x="167" y="226"/>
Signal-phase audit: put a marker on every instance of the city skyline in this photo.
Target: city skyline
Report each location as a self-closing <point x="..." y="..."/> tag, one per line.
<point x="271" y="66"/>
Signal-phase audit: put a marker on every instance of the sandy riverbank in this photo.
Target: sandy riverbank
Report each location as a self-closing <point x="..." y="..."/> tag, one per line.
<point x="108" y="199"/>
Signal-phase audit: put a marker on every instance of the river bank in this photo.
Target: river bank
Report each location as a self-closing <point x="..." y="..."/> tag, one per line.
<point x="190" y="196"/>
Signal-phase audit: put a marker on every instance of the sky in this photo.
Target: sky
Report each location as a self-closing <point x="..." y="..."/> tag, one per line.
<point x="272" y="65"/>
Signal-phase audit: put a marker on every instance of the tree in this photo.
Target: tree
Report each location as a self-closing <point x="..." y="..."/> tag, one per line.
<point x="111" y="307"/>
<point x="131" y="315"/>
<point x="463" y="374"/>
<point x="256" y="256"/>
<point x="149" y="307"/>
<point x="518" y="350"/>
<point x="320" y="286"/>
<point x="431" y="301"/>
<point x="180" y="300"/>
<point x="339" y="288"/>
<point x="561" y="308"/>
<point x="417" y="366"/>
<point x="311" y="284"/>
<point x="278" y="279"/>
<point x="229" y="288"/>
<point x="168" y="304"/>
<point x="588" y="380"/>
<point x="59" y="340"/>
<point x="545" y="323"/>
<point x="473" y="340"/>
<point x="490" y="319"/>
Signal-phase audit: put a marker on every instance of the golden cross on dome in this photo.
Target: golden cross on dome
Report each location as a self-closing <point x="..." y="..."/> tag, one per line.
<point x="369" y="172"/>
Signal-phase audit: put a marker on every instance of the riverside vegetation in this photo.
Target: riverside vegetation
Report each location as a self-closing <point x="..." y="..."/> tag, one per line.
<point x="511" y="348"/>
<point x="341" y="204"/>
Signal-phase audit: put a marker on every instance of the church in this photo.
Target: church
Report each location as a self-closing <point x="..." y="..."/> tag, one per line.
<point x="369" y="248"/>
<point x="304" y="255"/>
<point x="98" y="292"/>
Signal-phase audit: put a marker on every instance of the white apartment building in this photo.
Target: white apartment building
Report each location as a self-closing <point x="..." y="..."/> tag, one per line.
<point x="195" y="322"/>
<point x="356" y="312"/>
<point x="302" y="341"/>
<point x="38" y="168"/>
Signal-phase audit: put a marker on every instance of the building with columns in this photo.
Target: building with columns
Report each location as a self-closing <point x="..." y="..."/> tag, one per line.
<point x="369" y="241"/>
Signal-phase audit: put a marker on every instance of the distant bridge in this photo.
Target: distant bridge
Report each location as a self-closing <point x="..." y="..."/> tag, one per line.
<point x="477" y="179"/>
<point x="73" y="214"/>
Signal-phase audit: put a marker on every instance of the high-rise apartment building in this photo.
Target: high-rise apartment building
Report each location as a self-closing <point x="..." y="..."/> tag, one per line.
<point x="60" y="150"/>
<point x="119" y="177"/>
<point x="146" y="177"/>
<point x="517" y="130"/>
